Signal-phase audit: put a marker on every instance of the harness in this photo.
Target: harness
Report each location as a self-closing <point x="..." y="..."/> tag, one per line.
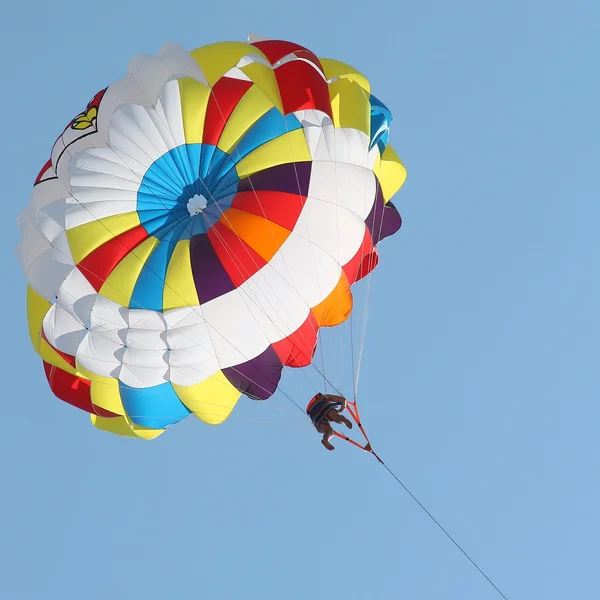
<point x="318" y="407"/>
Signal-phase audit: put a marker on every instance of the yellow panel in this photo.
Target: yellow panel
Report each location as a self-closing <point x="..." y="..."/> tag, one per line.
<point x="89" y="236"/>
<point x="391" y="173"/>
<point x="49" y="354"/>
<point x="104" y="391"/>
<point x="122" y="279"/>
<point x="212" y="400"/>
<point x="194" y="100"/>
<point x="180" y="289"/>
<point x="264" y="78"/>
<point x="350" y="105"/>
<point x="335" y="68"/>
<point x="120" y="426"/>
<point x="216" y="59"/>
<point x="37" y="307"/>
<point x="253" y="105"/>
<point x="105" y="394"/>
<point x="288" y="148"/>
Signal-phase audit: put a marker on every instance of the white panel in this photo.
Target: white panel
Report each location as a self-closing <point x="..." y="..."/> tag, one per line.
<point x="51" y="220"/>
<point x="101" y="355"/>
<point x="105" y="161"/>
<point x="47" y="272"/>
<point x="141" y="318"/>
<point x="187" y="366"/>
<point x="236" y="335"/>
<point x="77" y="296"/>
<point x="109" y="319"/>
<point x="310" y="270"/>
<point x="133" y="132"/>
<point x="334" y="229"/>
<point x="168" y="109"/>
<point x="144" y="368"/>
<point x="349" y="186"/>
<point x="63" y="331"/>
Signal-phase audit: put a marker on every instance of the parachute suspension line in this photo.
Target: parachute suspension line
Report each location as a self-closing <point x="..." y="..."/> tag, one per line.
<point x="354" y="386"/>
<point x="367" y="299"/>
<point x="323" y="368"/>
<point x="322" y="371"/>
<point x="339" y="330"/>
<point x="315" y="331"/>
<point x="237" y="261"/>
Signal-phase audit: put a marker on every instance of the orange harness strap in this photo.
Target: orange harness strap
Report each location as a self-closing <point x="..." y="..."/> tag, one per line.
<point x="353" y="410"/>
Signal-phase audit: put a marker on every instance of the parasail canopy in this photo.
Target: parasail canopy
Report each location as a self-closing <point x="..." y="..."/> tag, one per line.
<point x="198" y="223"/>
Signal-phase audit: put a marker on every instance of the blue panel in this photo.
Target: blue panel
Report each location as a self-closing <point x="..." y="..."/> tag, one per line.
<point x="225" y="183"/>
<point x="205" y="159"/>
<point x="168" y="176"/>
<point x="270" y="126"/>
<point x="187" y="158"/>
<point x="224" y="165"/>
<point x="198" y="226"/>
<point x="156" y="407"/>
<point x="218" y="157"/>
<point x="155" y="219"/>
<point x="381" y="118"/>
<point x="213" y="212"/>
<point x="162" y="200"/>
<point x="149" y="288"/>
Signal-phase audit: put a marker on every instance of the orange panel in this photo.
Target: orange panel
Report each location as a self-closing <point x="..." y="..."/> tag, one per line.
<point x="336" y="308"/>
<point x="263" y="236"/>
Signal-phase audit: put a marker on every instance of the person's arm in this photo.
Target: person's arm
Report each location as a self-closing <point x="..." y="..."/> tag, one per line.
<point x="334" y="398"/>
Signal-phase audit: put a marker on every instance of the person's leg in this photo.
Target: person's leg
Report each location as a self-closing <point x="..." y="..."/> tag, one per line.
<point x="327" y="431"/>
<point x="325" y="441"/>
<point x="336" y="417"/>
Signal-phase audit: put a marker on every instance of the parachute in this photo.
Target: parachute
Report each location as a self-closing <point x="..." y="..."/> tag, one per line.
<point x="198" y="223"/>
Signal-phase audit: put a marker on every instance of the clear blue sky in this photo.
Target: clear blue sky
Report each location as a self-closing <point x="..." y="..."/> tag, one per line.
<point x="480" y="378"/>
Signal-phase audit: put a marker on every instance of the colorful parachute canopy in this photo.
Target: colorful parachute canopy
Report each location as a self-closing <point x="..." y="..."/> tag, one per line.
<point x="197" y="223"/>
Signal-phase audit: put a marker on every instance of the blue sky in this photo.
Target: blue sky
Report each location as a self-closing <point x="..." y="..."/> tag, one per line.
<point x="479" y="384"/>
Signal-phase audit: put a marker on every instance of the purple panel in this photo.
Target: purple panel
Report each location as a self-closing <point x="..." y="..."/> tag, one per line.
<point x="210" y="278"/>
<point x="257" y="378"/>
<point x="292" y="178"/>
<point x="383" y="220"/>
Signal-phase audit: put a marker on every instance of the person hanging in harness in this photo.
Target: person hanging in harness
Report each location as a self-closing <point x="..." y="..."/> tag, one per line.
<point x="322" y="410"/>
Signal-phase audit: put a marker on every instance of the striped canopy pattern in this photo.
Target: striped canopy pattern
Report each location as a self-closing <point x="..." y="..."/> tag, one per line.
<point x="198" y="223"/>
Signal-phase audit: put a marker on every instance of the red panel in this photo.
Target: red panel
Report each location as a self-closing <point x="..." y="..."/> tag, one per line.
<point x="225" y="95"/>
<point x="44" y="170"/>
<point x="302" y="88"/>
<point x="73" y="390"/>
<point x="98" y="265"/>
<point x="298" y="349"/>
<point x="279" y="207"/>
<point x="237" y="258"/>
<point x="368" y="263"/>
<point x="353" y="267"/>
<point x="277" y="49"/>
